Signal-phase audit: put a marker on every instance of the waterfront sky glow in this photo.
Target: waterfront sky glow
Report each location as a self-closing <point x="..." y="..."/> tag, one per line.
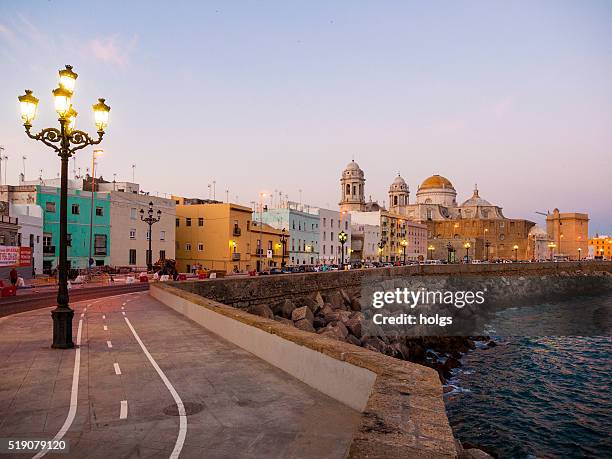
<point x="516" y="96"/>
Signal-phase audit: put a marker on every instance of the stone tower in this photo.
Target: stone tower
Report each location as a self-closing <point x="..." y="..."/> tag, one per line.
<point x="398" y="195"/>
<point x="353" y="188"/>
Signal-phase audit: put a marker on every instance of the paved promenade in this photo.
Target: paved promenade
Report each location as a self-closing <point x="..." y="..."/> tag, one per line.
<point x="153" y="384"/>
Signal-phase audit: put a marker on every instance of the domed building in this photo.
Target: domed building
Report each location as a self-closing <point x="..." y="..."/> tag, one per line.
<point x="353" y="186"/>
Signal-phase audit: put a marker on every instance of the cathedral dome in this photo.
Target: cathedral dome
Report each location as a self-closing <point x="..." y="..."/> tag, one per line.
<point x="476" y="200"/>
<point x="398" y="184"/>
<point x="436" y="181"/>
<point x="352" y="166"/>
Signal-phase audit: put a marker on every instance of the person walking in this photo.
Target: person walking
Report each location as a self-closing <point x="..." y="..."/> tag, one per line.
<point x="13" y="276"/>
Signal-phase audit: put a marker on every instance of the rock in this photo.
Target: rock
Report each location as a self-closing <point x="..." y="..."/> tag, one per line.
<point x="345" y="297"/>
<point x="319" y="322"/>
<point x="352" y="340"/>
<point x="491" y="344"/>
<point x="375" y="343"/>
<point x="261" y="310"/>
<point x="287" y="308"/>
<point x="335" y="330"/>
<point x="355" y="305"/>
<point x="474" y="453"/>
<point x="283" y="320"/>
<point x="354" y="326"/>
<point x="312" y="304"/>
<point x="302" y="313"/>
<point x="336" y="300"/>
<point x="304" y="324"/>
<point x="329" y="315"/>
<point x="319" y="300"/>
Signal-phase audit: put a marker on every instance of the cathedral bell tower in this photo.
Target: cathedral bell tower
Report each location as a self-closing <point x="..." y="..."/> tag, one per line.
<point x="352" y="185"/>
<point x="398" y="196"/>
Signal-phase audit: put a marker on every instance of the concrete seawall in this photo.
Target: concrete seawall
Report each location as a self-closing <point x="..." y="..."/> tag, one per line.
<point x="403" y="413"/>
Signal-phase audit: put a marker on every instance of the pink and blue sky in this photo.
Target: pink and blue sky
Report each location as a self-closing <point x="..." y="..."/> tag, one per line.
<point x="263" y="96"/>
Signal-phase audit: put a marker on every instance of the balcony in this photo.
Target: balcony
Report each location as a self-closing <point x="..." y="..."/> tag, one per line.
<point x="259" y="251"/>
<point x="49" y="250"/>
<point x="236" y="231"/>
<point x="235" y="256"/>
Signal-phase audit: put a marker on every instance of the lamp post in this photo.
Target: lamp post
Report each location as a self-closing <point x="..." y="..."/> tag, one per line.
<point x="449" y="248"/>
<point x="487" y="244"/>
<point x="579" y="253"/>
<point x="65" y="141"/>
<point x="342" y="237"/>
<point x="404" y="244"/>
<point x="431" y="249"/>
<point x="150" y="220"/>
<point x="551" y="246"/>
<point x="467" y="246"/>
<point x="515" y="252"/>
<point x="283" y="240"/>
<point x="381" y="246"/>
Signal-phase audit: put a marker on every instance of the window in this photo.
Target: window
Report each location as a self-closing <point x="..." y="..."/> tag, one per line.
<point x="99" y="212"/>
<point x="133" y="213"/>
<point x="133" y="233"/>
<point x="331" y="222"/>
<point x="132" y="257"/>
<point x="47" y="238"/>
<point x="31" y="240"/>
<point x="75" y="209"/>
<point x="200" y="247"/>
<point x="50" y="207"/>
<point x="162" y="235"/>
<point x="188" y="246"/>
<point x="188" y="222"/>
<point x="69" y="240"/>
<point x="248" y="225"/>
<point x="269" y="245"/>
<point x="201" y="221"/>
<point x="324" y="221"/>
<point x="324" y="235"/>
<point x="100" y="244"/>
<point x="162" y="254"/>
<point x="177" y="222"/>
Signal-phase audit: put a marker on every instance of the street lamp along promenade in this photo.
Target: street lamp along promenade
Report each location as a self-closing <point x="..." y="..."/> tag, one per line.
<point x="342" y="237"/>
<point x="467" y="246"/>
<point x="431" y="249"/>
<point x="65" y="141"/>
<point x="404" y="244"/>
<point x="150" y="220"/>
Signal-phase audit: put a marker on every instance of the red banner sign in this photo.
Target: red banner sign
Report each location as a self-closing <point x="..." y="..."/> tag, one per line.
<point x="15" y="256"/>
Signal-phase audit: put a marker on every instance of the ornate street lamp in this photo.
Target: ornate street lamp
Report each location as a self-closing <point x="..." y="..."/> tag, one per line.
<point x="487" y="244"/>
<point x="449" y="248"/>
<point x="431" y="249"/>
<point x="515" y="252"/>
<point x="150" y="220"/>
<point x="381" y="246"/>
<point x="467" y="246"/>
<point x="579" y="253"/>
<point x="404" y="244"/>
<point x="65" y="141"/>
<point x="551" y="246"/>
<point x="283" y="238"/>
<point x="342" y="237"/>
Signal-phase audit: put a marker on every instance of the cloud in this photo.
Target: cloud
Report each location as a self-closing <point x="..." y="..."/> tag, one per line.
<point x="112" y="49"/>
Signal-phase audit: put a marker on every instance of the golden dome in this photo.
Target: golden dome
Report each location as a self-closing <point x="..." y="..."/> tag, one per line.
<point x="436" y="181"/>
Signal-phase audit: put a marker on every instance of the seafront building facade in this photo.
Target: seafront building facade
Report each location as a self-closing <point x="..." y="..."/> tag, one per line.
<point x="30" y="221"/>
<point x="569" y="232"/>
<point x="600" y="247"/>
<point x="364" y="242"/>
<point x="213" y="235"/>
<point x="331" y="223"/>
<point x="303" y="226"/>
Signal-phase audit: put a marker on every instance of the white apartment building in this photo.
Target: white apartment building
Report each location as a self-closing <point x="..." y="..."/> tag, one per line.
<point x="130" y="235"/>
<point x="30" y="218"/>
<point x="331" y="223"/>
<point x="365" y="240"/>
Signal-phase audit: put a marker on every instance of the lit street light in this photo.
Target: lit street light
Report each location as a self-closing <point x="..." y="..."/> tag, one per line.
<point x="467" y="246"/>
<point x="551" y="246"/>
<point x="579" y="253"/>
<point x="342" y="237"/>
<point x="283" y="239"/>
<point x="404" y="244"/>
<point x="150" y="220"/>
<point x="515" y="252"/>
<point x="381" y="246"/>
<point x="431" y="249"/>
<point x="65" y="141"/>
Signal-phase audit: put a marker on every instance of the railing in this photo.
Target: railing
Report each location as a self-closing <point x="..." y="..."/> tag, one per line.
<point x="235" y="256"/>
<point x="48" y="250"/>
<point x="259" y="252"/>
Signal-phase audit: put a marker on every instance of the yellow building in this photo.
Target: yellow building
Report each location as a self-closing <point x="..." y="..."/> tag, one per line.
<point x="222" y="236"/>
<point x="569" y="232"/>
<point x="600" y="247"/>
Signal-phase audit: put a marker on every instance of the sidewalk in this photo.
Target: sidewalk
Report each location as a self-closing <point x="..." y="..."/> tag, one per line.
<point x="237" y="405"/>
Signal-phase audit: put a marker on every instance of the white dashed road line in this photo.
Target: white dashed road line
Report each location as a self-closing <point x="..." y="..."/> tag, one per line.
<point x="124" y="410"/>
<point x="180" y="440"/>
<point x="117" y="369"/>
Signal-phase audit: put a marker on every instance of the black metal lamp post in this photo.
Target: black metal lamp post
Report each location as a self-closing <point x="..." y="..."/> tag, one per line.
<point x="467" y="246"/>
<point x="515" y="252"/>
<point x="551" y="246"/>
<point x="449" y="248"/>
<point x="283" y="240"/>
<point x="65" y="141"/>
<point x="342" y="237"/>
<point x="150" y="220"/>
<point x="487" y="245"/>
<point x="579" y="253"/>
<point x="404" y="244"/>
<point x="381" y="246"/>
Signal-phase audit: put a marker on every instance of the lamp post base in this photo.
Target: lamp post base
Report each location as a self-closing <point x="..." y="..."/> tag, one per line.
<point x="62" y="327"/>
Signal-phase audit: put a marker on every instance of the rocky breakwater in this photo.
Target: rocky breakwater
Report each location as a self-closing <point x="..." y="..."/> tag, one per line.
<point x="344" y="314"/>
